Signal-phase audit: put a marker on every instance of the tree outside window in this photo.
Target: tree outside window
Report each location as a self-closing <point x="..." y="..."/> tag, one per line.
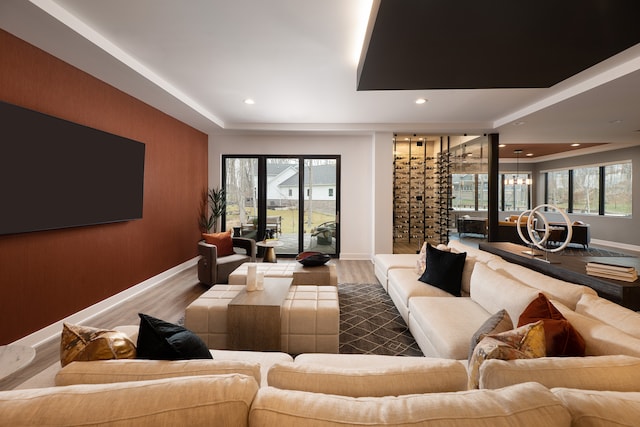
<point x="586" y="193"/>
<point x="617" y="189"/>
<point x="558" y="189"/>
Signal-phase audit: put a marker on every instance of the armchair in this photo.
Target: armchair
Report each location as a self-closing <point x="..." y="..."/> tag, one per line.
<point x="213" y="269"/>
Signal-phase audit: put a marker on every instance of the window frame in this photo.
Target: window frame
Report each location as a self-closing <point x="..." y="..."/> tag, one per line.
<point x="602" y="192"/>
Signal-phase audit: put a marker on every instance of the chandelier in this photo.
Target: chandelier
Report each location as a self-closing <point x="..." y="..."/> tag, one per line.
<point x="516" y="179"/>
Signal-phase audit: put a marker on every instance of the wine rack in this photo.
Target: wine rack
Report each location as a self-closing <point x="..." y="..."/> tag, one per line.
<point x="422" y="194"/>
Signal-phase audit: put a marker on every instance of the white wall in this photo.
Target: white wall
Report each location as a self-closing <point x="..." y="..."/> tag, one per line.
<point x="383" y="193"/>
<point x="359" y="198"/>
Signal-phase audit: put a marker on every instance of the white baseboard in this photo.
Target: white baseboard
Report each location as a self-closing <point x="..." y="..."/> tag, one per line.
<point x="83" y="316"/>
<point x="354" y="256"/>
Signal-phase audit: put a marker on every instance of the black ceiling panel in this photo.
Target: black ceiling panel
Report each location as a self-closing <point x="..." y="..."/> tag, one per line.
<point x="473" y="44"/>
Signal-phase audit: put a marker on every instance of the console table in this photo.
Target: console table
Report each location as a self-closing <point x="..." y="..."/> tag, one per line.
<point x="574" y="269"/>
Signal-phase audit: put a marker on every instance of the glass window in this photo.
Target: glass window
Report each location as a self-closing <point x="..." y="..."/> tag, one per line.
<point x="463" y="191"/>
<point x="586" y="194"/>
<point x="483" y="191"/>
<point x="617" y="189"/>
<point x="558" y="188"/>
<point x="516" y="191"/>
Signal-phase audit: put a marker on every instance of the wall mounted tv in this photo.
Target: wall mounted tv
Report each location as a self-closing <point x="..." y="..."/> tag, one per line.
<point x="57" y="174"/>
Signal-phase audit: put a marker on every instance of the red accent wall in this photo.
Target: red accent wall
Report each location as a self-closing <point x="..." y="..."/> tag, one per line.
<point x="46" y="276"/>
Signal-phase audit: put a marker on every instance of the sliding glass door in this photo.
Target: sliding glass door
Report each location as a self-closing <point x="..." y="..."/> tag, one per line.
<point x="294" y="199"/>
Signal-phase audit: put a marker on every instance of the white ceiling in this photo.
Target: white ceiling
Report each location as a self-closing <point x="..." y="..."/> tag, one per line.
<point x="199" y="59"/>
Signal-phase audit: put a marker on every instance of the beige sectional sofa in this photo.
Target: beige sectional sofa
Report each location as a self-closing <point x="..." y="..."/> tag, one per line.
<point x="239" y="388"/>
<point x="443" y="324"/>
<point x="314" y="389"/>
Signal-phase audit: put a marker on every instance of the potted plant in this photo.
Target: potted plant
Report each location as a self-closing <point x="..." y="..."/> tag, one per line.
<point x="213" y="206"/>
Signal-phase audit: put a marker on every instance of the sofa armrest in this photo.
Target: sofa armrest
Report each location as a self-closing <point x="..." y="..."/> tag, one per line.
<point x="249" y="245"/>
<point x="208" y="251"/>
<point x="207" y="272"/>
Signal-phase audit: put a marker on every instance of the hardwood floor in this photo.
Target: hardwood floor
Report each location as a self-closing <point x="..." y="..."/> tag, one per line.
<point x="166" y="301"/>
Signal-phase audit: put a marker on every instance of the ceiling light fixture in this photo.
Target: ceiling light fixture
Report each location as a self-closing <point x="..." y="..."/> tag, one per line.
<point x="249" y="101"/>
<point x="502" y="145"/>
<point x="420" y="101"/>
<point x="575" y="144"/>
<point x="516" y="179"/>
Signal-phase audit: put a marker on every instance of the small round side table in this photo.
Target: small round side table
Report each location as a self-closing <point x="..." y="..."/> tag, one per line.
<point x="14" y="357"/>
<point x="270" y="252"/>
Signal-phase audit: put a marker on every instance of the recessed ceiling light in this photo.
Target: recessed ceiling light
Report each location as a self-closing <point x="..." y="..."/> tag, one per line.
<point x="518" y="123"/>
<point x="529" y="154"/>
<point x="502" y="145"/>
<point x="615" y="122"/>
<point x="249" y="101"/>
<point x="420" y="101"/>
<point x="575" y="144"/>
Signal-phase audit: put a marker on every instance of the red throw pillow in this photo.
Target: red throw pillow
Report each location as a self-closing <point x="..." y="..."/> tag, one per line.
<point x="562" y="338"/>
<point x="223" y="242"/>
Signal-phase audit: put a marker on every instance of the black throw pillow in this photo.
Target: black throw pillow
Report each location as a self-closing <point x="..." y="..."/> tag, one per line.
<point x="160" y="340"/>
<point x="444" y="270"/>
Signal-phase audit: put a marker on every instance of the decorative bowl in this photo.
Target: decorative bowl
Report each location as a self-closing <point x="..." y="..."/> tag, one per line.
<point x="312" y="259"/>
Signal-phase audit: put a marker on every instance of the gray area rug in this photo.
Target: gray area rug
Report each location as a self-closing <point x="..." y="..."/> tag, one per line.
<point x="371" y="324"/>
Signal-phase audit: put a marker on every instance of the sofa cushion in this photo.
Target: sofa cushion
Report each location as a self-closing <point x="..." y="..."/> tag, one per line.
<point x="600" y="338"/>
<point x="495" y="291"/>
<point x="114" y="371"/>
<point x="385" y="262"/>
<point x="481" y="256"/>
<point x="522" y="405"/>
<point x="406" y="285"/>
<point x="85" y="343"/>
<point x="525" y="342"/>
<point x="561" y="338"/>
<point x="567" y="293"/>
<point x="162" y="340"/>
<point x="617" y="372"/>
<point x="422" y="375"/>
<point x="610" y="313"/>
<point x="223" y="242"/>
<point x="591" y="408"/>
<point x="189" y="401"/>
<point x="444" y="270"/>
<point x="265" y="359"/>
<point x="446" y="323"/>
<point x="499" y="322"/>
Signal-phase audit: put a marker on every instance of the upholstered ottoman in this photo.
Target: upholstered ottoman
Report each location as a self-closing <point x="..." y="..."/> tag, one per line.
<point x="279" y="269"/>
<point x="311" y="320"/>
<point x="324" y="275"/>
<point x="207" y="315"/>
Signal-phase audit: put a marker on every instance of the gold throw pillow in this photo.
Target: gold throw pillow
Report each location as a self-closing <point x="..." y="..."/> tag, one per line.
<point x="83" y="343"/>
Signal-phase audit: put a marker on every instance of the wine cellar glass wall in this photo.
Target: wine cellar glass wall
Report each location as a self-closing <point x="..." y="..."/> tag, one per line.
<point x="422" y="196"/>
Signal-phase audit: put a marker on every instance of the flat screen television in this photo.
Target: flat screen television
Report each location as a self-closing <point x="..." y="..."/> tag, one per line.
<point x="58" y="174"/>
